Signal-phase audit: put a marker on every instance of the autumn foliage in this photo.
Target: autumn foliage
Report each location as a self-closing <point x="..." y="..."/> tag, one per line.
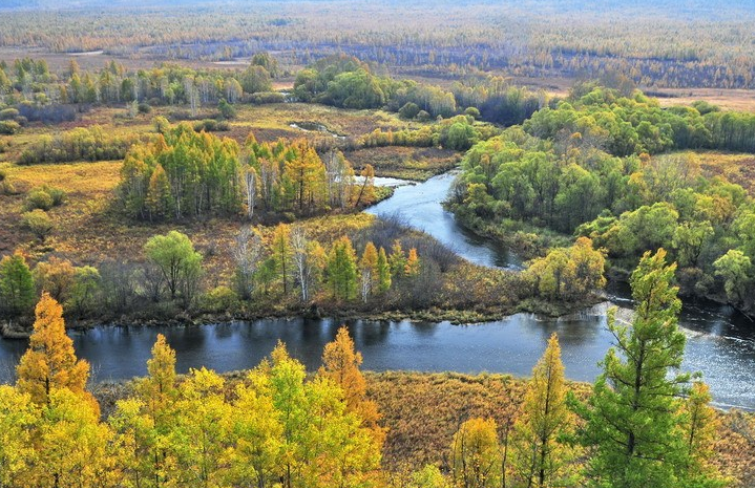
<point x="276" y="428"/>
<point x="50" y="363"/>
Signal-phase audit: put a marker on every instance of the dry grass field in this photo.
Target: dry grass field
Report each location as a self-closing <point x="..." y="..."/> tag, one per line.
<point x="423" y="410"/>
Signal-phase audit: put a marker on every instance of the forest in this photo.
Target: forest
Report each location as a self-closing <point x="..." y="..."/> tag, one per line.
<point x="531" y="39"/>
<point x="619" y="170"/>
<point x="582" y="171"/>
<point x="176" y="171"/>
<point x="276" y="425"/>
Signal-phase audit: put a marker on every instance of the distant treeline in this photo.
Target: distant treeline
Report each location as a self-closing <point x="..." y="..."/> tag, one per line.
<point x="340" y="80"/>
<point x="32" y="81"/>
<point x="658" y="43"/>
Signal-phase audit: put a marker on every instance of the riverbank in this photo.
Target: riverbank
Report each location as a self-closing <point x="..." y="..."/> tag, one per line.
<point x="21" y="330"/>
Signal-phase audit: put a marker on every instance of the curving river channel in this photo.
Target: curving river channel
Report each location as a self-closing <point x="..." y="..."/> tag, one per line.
<point x="721" y="343"/>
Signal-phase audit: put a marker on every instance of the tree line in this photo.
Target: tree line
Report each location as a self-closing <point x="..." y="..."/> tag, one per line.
<point x="658" y="44"/>
<point x="322" y="268"/>
<point x="341" y="81"/>
<point x="345" y="81"/>
<point x="31" y="80"/>
<point x="282" y="266"/>
<point x="185" y="174"/>
<point x="625" y="124"/>
<point x="275" y="428"/>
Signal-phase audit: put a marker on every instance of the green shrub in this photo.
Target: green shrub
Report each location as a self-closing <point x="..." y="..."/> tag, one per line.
<point x="161" y="124"/>
<point x="39" y="223"/>
<point x="423" y="116"/>
<point x="9" y="114"/>
<point x="226" y="109"/>
<point x="409" y="111"/>
<point x="473" y="112"/>
<point x="45" y="198"/>
<point x="219" y="299"/>
<point x="210" y="125"/>
<point x="38" y="199"/>
<point x="58" y="195"/>
<point x="6" y="187"/>
<point x="9" y="127"/>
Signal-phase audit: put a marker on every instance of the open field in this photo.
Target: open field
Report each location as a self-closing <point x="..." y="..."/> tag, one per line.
<point x="267" y="122"/>
<point x="88" y="230"/>
<point x="423" y="411"/>
<point x="406" y="162"/>
<point x="737" y="168"/>
<point x="727" y="99"/>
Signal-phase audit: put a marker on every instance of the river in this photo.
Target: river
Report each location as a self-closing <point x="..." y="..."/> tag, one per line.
<point x="720" y="343"/>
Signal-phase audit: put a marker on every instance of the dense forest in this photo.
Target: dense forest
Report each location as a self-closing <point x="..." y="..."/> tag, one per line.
<point x="188" y="162"/>
<point x="609" y="167"/>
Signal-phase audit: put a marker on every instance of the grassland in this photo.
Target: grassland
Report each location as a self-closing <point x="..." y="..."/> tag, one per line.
<point x="88" y="230"/>
<point x="267" y="122"/>
<point x="422" y="412"/>
<point x="737" y="168"/>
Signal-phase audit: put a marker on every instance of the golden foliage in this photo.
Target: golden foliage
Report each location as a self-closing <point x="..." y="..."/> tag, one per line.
<point x="341" y="364"/>
<point x="50" y="363"/>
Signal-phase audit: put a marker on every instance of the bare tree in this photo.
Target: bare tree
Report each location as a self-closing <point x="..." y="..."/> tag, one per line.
<point x="247" y="254"/>
<point x="250" y="178"/>
<point x="299" y="244"/>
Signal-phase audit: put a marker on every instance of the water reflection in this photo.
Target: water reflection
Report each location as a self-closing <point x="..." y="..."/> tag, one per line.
<point x="719" y="344"/>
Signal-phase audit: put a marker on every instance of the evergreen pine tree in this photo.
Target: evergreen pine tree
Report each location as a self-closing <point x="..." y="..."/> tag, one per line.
<point x="632" y="416"/>
<point x="341" y="270"/>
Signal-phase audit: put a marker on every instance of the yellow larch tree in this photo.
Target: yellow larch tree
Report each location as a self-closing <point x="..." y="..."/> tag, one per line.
<point x="19" y="418"/>
<point x="540" y="458"/>
<point x="476" y="455"/>
<point x="412" y="263"/>
<point x="700" y="425"/>
<point x="159" y="388"/>
<point x="201" y="431"/>
<point x="368" y="268"/>
<point x="341" y="364"/>
<point x="50" y="362"/>
<point x="144" y="424"/>
<point x="366" y="192"/>
<point x="256" y="450"/>
<point x="73" y="445"/>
